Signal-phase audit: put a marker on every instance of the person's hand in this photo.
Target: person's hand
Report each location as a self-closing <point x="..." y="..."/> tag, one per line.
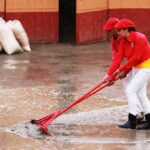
<point x="106" y="78"/>
<point x="121" y="74"/>
<point x="109" y="79"/>
<point x="111" y="82"/>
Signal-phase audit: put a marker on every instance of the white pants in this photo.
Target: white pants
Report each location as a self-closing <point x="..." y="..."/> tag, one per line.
<point x="135" y="88"/>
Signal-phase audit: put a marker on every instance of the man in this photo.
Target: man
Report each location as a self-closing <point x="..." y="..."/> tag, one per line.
<point x="112" y="35"/>
<point x="135" y="47"/>
<point x="115" y="45"/>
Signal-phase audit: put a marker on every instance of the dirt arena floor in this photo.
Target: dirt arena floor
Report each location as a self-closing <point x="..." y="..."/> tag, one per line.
<point x="51" y="77"/>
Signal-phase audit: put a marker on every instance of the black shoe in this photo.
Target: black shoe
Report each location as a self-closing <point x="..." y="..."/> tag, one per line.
<point x="145" y="126"/>
<point x="140" y="118"/>
<point x="126" y="125"/>
<point x="131" y="123"/>
<point x="141" y="121"/>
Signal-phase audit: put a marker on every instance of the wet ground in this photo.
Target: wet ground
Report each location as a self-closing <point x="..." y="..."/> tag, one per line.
<point x="49" y="78"/>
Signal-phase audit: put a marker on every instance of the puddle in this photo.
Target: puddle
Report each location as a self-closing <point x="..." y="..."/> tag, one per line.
<point x="69" y="123"/>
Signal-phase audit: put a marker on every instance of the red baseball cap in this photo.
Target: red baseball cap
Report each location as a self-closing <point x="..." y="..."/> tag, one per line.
<point x="110" y="24"/>
<point x="124" y="23"/>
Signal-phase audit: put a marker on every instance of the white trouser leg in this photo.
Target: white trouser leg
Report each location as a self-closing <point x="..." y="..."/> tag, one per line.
<point x="126" y="82"/>
<point x="136" y="93"/>
<point x="142" y="95"/>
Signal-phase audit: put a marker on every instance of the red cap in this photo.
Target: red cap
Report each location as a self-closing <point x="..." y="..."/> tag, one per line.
<point x="124" y="23"/>
<point x="110" y="24"/>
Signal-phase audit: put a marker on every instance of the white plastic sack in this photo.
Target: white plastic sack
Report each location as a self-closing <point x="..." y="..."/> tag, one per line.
<point x="20" y="34"/>
<point x="1" y="49"/>
<point x="8" y="40"/>
<point x="2" y="20"/>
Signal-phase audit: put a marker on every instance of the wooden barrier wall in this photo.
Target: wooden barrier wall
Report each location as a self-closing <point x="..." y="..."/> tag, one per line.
<point x="39" y="17"/>
<point x="136" y="10"/>
<point x="91" y="15"/>
<point x="2" y="8"/>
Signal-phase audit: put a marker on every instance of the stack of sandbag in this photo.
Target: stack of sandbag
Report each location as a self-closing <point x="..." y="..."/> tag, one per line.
<point x="1" y="49"/>
<point x="8" y="40"/>
<point x="20" y="34"/>
<point x="13" y="38"/>
<point x="1" y="21"/>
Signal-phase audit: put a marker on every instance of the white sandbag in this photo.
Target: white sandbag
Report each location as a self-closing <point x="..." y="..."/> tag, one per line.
<point x="20" y="34"/>
<point x="1" y="48"/>
<point x="8" y="40"/>
<point x="2" y="20"/>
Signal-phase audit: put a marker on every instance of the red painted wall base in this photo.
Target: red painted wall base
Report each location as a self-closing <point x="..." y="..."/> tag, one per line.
<point x="141" y="17"/>
<point x="42" y="27"/>
<point x="1" y="14"/>
<point x="89" y="26"/>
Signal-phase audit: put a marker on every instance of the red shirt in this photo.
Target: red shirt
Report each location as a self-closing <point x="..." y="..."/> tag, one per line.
<point x="136" y="49"/>
<point x="115" y="46"/>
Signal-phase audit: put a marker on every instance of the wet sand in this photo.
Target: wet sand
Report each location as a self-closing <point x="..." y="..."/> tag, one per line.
<point x="50" y="78"/>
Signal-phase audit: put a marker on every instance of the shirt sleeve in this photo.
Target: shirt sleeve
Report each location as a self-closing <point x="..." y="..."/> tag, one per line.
<point x="113" y="47"/>
<point x="117" y="61"/>
<point x="139" y="45"/>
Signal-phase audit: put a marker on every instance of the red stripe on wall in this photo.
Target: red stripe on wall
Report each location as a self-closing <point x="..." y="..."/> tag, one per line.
<point x="141" y="17"/>
<point x="2" y="14"/>
<point x="89" y="26"/>
<point x="40" y="26"/>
